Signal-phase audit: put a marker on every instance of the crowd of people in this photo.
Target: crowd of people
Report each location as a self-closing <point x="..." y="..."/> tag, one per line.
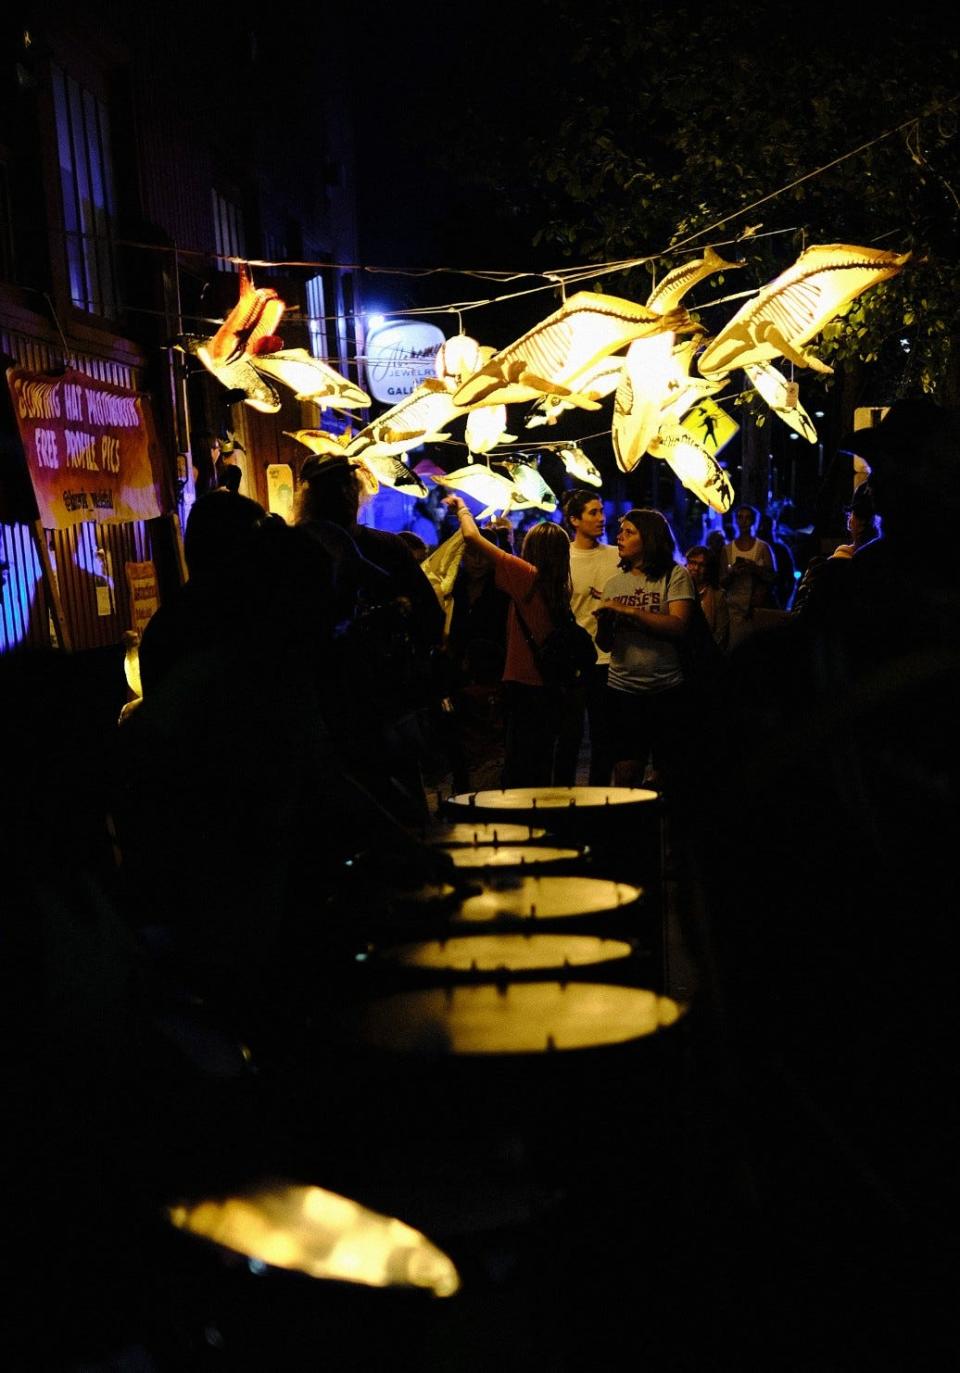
<point x="309" y="680"/>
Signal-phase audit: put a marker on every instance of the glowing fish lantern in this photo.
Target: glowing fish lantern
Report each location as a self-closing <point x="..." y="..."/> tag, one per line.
<point x="477" y="481"/>
<point x="676" y="284"/>
<point x="697" y="469"/>
<point x="558" y="353"/>
<point x="322" y="1234"/>
<point x="578" y="465"/>
<point x="236" y="376"/>
<point x="321" y="443"/>
<point x="251" y="323"/>
<point x="794" y="307"/>
<point x="781" y="396"/>
<point x="647" y="372"/>
<point x="486" y="428"/>
<point x="597" y="383"/>
<point x="683" y="390"/>
<point x="396" y="474"/>
<point x="534" y="492"/>
<point x="311" y="379"/>
<point x="416" y="419"/>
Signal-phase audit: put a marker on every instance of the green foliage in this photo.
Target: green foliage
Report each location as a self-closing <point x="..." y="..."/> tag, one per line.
<point x="670" y="121"/>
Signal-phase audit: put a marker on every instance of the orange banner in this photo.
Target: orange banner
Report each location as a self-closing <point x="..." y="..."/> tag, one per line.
<point x="90" y="448"/>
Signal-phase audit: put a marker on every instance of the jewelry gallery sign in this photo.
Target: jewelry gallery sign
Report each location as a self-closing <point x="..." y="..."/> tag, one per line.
<point x="89" y="446"/>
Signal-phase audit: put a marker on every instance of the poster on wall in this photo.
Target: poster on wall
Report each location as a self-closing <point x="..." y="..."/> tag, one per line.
<point x="280" y="490"/>
<point x="144" y="593"/>
<point x="90" y="447"/>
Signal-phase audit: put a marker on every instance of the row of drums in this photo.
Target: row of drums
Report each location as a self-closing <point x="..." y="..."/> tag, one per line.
<point x="515" y="1011"/>
<point x="499" y="1079"/>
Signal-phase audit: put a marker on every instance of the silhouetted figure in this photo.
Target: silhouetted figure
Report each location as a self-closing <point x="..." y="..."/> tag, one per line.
<point x="592" y="563"/>
<point x="837" y="976"/>
<point x="538" y="584"/>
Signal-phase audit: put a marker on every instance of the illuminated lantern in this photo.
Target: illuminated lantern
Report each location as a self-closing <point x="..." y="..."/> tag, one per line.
<point x="255" y="316"/>
<point x="648" y="370"/>
<point x="416" y="419"/>
<point x="320" y="443"/>
<point x="477" y="481"/>
<point x="458" y="357"/>
<point x="597" y="383"/>
<point x="322" y="1234"/>
<point x="534" y="491"/>
<point x="237" y="376"/>
<point x="795" y="306"/>
<point x="676" y="284"/>
<point x="578" y="465"/>
<point x="394" y="473"/>
<point x="683" y="390"/>
<point x="486" y="428"/>
<point x="311" y="379"/>
<point x="781" y="397"/>
<point x="558" y="353"/>
<point x="697" y="469"/>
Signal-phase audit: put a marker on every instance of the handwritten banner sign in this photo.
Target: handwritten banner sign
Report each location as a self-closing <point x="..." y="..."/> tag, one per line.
<point x="90" y="448"/>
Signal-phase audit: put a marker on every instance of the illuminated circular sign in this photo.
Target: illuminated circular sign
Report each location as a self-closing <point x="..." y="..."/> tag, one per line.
<point x="400" y="355"/>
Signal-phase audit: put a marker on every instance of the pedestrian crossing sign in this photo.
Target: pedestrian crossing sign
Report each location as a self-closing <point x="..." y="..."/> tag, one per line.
<point x="710" y="426"/>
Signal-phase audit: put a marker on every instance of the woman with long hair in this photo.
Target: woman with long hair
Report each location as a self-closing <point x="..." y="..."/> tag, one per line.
<point x="645" y="613"/>
<point x="538" y="584"/>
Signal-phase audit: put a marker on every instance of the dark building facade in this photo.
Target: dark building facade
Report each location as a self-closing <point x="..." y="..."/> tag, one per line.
<point x="143" y="154"/>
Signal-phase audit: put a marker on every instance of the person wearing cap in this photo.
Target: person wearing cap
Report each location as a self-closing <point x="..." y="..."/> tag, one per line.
<point x="862" y="523"/>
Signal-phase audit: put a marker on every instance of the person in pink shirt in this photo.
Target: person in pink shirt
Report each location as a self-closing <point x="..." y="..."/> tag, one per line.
<point x="538" y="584"/>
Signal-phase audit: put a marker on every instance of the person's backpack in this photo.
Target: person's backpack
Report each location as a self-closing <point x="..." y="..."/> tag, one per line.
<point x="565" y="657"/>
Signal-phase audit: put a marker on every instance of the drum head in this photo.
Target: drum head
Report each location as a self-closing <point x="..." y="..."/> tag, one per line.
<point x="525" y="1018"/>
<point x="511" y="856"/>
<point x="512" y="953"/>
<point x="463" y="832"/>
<point x="529" y="799"/>
<point x="546" y="898"/>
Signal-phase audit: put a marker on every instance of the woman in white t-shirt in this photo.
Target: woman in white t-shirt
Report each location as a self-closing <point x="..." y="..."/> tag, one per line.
<point x="645" y="613"/>
<point x="592" y="564"/>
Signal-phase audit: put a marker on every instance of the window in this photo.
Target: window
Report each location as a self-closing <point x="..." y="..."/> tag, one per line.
<point x="228" y="232"/>
<point x="86" y="183"/>
<point x="321" y="325"/>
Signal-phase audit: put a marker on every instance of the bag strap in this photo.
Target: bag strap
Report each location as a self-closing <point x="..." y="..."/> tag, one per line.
<point x="532" y="643"/>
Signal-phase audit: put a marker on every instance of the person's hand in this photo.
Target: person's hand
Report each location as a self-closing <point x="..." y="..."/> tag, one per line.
<point x="455" y="502"/>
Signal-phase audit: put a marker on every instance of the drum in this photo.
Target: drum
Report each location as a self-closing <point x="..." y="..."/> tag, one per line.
<point x="486" y="858"/>
<point x="568" y="905"/>
<point x="522" y="1018"/>
<point x="621" y="825"/>
<point x="456" y="833"/>
<point x="506" y="957"/>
